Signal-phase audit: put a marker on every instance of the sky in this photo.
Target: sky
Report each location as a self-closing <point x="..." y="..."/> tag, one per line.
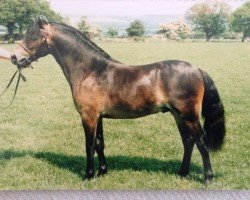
<point x="75" y="8"/>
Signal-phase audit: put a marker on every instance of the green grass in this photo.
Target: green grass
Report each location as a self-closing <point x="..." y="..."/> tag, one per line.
<point x="42" y="140"/>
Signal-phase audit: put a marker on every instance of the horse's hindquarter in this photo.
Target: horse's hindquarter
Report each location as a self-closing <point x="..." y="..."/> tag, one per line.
<point x="184" y="86"/>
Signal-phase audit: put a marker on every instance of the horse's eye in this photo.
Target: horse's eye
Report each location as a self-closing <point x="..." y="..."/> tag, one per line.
<point x="34" y="36"/>
<point x="31" y="48"/>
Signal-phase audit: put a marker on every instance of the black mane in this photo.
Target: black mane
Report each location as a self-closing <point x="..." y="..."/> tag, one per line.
<point x="76" y="33"/>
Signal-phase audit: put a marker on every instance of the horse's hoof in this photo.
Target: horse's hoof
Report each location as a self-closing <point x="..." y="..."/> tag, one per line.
<point x="89" y="175"/>
<point x="102" y="172"/>
<point x="208" y="178"/>
<point x="183" y="173"/>
<point x="208" y="181"/>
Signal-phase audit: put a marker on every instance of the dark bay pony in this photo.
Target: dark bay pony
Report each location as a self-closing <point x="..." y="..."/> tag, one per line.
<point x="105" y="88"/>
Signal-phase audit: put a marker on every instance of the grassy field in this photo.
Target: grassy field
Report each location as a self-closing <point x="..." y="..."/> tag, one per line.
<point x="42" y="140"/>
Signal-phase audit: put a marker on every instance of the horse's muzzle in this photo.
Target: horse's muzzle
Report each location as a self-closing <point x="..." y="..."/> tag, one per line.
<point x="22" y="63"/>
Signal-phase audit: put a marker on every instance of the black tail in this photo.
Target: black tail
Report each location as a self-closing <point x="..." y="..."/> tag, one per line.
<point x="213" y="113"/>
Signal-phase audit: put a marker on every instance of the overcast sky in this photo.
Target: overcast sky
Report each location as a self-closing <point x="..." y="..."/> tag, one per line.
<point x="73" y="8"/>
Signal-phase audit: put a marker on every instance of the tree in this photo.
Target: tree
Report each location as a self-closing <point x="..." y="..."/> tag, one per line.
<point x="210" y="17"/>
<point x="88" y="29"/>
<point x="21" y="13"/>
<point x="84" y="25"/>
<point x="175" y="30"/>
<point x="10" y="12"/>
<point x="241" y="20"/>
<point x="136" y="28"/>
<point x="44" y="9"/>
<point x="112" y="32"/>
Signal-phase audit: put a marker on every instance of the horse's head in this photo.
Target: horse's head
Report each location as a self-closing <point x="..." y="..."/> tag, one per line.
<point x="35" y="44"/>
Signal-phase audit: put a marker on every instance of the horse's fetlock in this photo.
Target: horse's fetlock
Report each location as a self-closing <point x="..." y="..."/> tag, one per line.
<point x="102" y="170"/>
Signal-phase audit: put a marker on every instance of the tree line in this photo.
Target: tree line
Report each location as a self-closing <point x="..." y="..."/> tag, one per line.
<point x="18" y="14"/>
<point x="208" y="19"/>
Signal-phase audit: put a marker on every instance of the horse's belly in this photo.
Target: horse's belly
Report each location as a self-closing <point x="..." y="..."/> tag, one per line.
<point x="117" y="114"/>
<point x="124" y="113"/>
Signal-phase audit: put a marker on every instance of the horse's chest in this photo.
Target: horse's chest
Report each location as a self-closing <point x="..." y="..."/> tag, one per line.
<point x="89" y="95"/>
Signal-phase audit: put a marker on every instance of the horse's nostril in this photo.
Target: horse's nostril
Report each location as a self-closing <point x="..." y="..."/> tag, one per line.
<point x="13" y="57"/>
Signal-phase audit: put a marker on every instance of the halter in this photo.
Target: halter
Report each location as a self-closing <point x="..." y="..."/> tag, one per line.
<point x="25" y="48"/>
<point x="23" y="63"/>
<point x="32" y="55"/>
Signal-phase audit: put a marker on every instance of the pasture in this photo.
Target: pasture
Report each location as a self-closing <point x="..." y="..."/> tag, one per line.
<point x="42" y="140"/>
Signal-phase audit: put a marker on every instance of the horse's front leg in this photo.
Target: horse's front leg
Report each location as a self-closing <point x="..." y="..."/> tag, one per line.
<point x="99" y="147"/>
<point x="90" y="127"/>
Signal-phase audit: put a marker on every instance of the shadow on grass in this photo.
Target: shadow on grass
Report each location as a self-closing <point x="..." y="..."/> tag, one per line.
<point x="76" y="164"/>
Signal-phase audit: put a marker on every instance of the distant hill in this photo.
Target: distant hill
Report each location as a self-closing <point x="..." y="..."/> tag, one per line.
<point x="151" y="22"/>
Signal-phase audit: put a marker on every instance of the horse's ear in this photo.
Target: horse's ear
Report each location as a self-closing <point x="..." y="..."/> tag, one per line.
<point x="42" y="21"/>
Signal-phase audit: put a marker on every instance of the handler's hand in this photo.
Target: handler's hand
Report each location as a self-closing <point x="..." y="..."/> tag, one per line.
<point x="4" y="54"/>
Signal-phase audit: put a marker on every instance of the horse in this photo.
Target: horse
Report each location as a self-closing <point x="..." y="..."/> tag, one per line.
<point x="103" y="87"/>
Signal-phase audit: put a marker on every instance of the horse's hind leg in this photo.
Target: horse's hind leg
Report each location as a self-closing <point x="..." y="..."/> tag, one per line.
<point x="203" y="149"/>
<point x="192" y="132"/>
<point x="188" y="144"/>
<point x="99" y="147"/>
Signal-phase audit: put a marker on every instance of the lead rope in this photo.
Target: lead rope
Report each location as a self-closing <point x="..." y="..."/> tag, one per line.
<point x="20" y="75"/>
<point x="21" y="65"/>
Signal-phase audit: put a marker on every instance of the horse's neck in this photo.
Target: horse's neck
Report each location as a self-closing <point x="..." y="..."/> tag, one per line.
<point x="74" y="59"/>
